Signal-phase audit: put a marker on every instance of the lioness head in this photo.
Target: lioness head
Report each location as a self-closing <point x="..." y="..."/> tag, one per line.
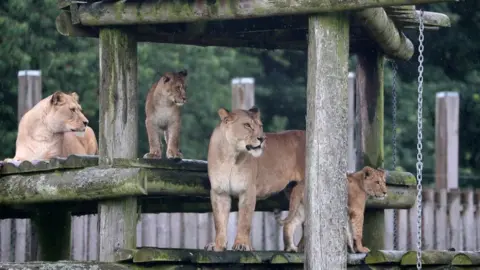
<point x="243" y="130"/>
<point x="174" y="86"/>
<point x="373" y="181"/>
<point x="64" y="113"/>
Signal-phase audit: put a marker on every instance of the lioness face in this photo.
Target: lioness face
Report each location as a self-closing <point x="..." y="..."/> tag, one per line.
<point x="374" y="182"/>
<point x="244" y="130"/>
<point x="65" y="113"/>
<point x="175" y="87"/>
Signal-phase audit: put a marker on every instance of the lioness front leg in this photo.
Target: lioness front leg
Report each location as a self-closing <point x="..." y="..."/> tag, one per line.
<point x="221" y="204"/>
<point x="357" y="226"/>
<point x="246" y="207"/>
<point x="153" y="140"/>
<point x="173" y="137"/>
<point x="288" y="232"/>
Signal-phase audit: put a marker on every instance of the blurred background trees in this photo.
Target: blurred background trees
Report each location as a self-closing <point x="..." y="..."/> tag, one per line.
<point x="29" y="40"/>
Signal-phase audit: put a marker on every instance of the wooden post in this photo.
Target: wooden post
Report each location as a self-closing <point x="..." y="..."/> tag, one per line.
<point x="243" y="93"/>
<point x="326" y="132"/>
<point x="351" y="122"/>
<point x="53" y="226"/>
<point x="118" y="136"/>
<point x="369" y="139"/>
<point x="447" y="112"/>
<point x="29" y="94"/>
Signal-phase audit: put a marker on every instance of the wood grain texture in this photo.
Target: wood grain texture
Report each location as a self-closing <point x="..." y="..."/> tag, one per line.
<point x="327" y="104"/>
<point x="118" y="136"/>
<point x="369" y="144"/>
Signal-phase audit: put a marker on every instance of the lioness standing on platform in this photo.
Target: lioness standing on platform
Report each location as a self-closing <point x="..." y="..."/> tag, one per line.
<point x="247" y="163"/>
<point x="360" y="184"/>
<point x="49" y="130"/>
<point x="162" y="110"/>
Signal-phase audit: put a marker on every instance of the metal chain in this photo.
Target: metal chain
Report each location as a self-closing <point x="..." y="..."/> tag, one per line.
<point x="419" y="143"/>
<point x="394" y="146"/>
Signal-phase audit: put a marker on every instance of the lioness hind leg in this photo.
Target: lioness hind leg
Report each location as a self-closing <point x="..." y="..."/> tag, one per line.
<point x="357" y="226"/>
<point x="173" y="137"/>
<point x="246" y="207"/>
<point x="301" y="243"/>
<point x="153" y="140"/>
<point x="221" y="204"/>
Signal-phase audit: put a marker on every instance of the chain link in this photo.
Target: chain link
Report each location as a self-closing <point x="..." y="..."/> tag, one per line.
<point x="394" y="145"/>
<point x="419" y="143"/>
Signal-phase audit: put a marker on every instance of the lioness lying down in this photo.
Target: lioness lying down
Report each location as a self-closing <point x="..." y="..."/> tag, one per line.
<point x="246" y="163"/>
<point x="367" y="181"/>
<point x="48" y="130"/>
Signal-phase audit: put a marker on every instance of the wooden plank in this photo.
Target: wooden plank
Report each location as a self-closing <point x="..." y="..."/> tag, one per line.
<point x="447" y="111"/>
<point x="469" y="232"/>
<point x="64" y="265"/>
<point x="149" y="230"/>
<point x="92" y="238"/>
<point x="20" y="239"/>
<point x="163" y="230"/>
<point x="326" y="124"/>
<point x="29" y="90"/>
<point x="454" y="220"/>
<point x="370" y="128"/>
<point x="403" y="229"/>
<point x="6" y="252"/>
<point x="351" y="122"/>
<point x="441" y="222"/>
<point x="118" y="135"/>
<point x="243" y="93"/>
<point x="428" y="213"/>
<point x="393" y="43"/>
<point x="123" y="13"/>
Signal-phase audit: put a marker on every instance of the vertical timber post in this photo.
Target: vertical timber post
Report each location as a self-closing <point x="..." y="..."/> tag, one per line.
<point x="351" y="122"/>
<point x="326" y="133"/>
<point x="369" y="139"/>
<point x="447" y="112"/>
<point x="243" y="93"/>
<point x="117" y="219"/>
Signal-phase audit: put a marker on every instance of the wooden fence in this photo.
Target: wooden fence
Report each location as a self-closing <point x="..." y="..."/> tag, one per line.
<point x="450" y="219"/>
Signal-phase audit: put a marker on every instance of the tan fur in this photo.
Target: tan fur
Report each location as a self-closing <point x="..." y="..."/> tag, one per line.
<point x="48" y="130"/>
<point x="247" y="163"/>
<point x="367" y="181"/>
<point x="162" y="110"/>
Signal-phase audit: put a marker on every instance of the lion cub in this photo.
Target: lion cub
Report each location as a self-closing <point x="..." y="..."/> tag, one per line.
<point x="360" y="184"/>
<point x="162" y="110"/>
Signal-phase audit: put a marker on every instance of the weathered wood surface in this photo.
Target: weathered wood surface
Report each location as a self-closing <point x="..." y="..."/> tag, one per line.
<point x="91" y="183"/>
<point x="369" y="144"/>
<point x="147" y="12"/>
<point x="118" y="135"/>
<point x="63" y="265"/>
<point x="326" y="124"/>
<point x="385" y="33"/>
<point x="71" y="162"/>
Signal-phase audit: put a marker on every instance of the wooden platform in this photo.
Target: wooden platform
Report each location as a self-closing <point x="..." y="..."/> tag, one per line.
<point x="163" y="186"/>
<point x="154" y="258"/>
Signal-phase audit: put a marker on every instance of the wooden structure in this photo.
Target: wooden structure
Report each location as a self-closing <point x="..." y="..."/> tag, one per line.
<point x="117" y="185"/>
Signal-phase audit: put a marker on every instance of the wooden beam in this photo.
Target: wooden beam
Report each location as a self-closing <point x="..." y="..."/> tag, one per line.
<point x="369" y="99"/>
<point x="327" y="103"/>
<point x="383" y="31"/>
<point x="61" y="265"/>
<point x="243" y="93"/>
<point x="118" y="136"/>
<point x="123" y="13"/>
<point x="447" y="110"/>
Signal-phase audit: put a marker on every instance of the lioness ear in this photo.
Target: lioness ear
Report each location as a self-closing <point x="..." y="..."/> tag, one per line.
<point x="224" y="114"/>
<point x="166" y="78"/>
<point x="75" y="96"/>
<point x="183" y="73"/>
<point x="57" y="97"/>
<point x="255" y="111"/>
<point x="367" y="171"/>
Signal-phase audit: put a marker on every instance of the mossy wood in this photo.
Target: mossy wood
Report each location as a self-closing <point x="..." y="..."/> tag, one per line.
<point x="258" y="23"/>
<point x="369" y="142"/>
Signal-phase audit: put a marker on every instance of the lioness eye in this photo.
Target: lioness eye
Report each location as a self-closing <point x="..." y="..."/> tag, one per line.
<point x="247" y="125"/>
<point x="73" y="109"/>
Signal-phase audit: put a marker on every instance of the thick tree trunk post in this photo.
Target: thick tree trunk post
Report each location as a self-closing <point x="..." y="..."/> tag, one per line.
<point x="53" y="226"/>
<point x="243" y="93"/>
<point x="29" y="94"/>
<point x="446" y="140"/>
<point x="117" y="219"/>
<point x="369" y="99"/>
<point x="326" y="159"/>
<point x="351" y="122"/>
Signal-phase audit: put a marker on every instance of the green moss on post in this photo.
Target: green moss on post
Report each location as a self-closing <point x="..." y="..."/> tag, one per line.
<point x="369" y="91"/>
<point x="53" y="227"/>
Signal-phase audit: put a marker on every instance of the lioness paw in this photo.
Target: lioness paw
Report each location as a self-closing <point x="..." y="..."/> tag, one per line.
<point x="212" y="247"/>
<point x="175" y="154"/>
<point x="363" y="249"/>
<point x="291" y="249"/>
<point x="242" y="247"/>
<point x="152" y="156"/>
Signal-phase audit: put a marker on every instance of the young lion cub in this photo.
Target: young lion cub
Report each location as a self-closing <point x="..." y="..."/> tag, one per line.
<point x="162" y="110"/>
<point x="367" y="181"/>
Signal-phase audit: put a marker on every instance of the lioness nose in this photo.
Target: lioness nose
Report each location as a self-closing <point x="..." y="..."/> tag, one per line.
<point x="261" y="139"/>
<point x="85" y="122"/>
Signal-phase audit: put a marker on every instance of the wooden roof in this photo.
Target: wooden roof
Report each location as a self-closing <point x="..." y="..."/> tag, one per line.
<point x="270" y="24"/>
